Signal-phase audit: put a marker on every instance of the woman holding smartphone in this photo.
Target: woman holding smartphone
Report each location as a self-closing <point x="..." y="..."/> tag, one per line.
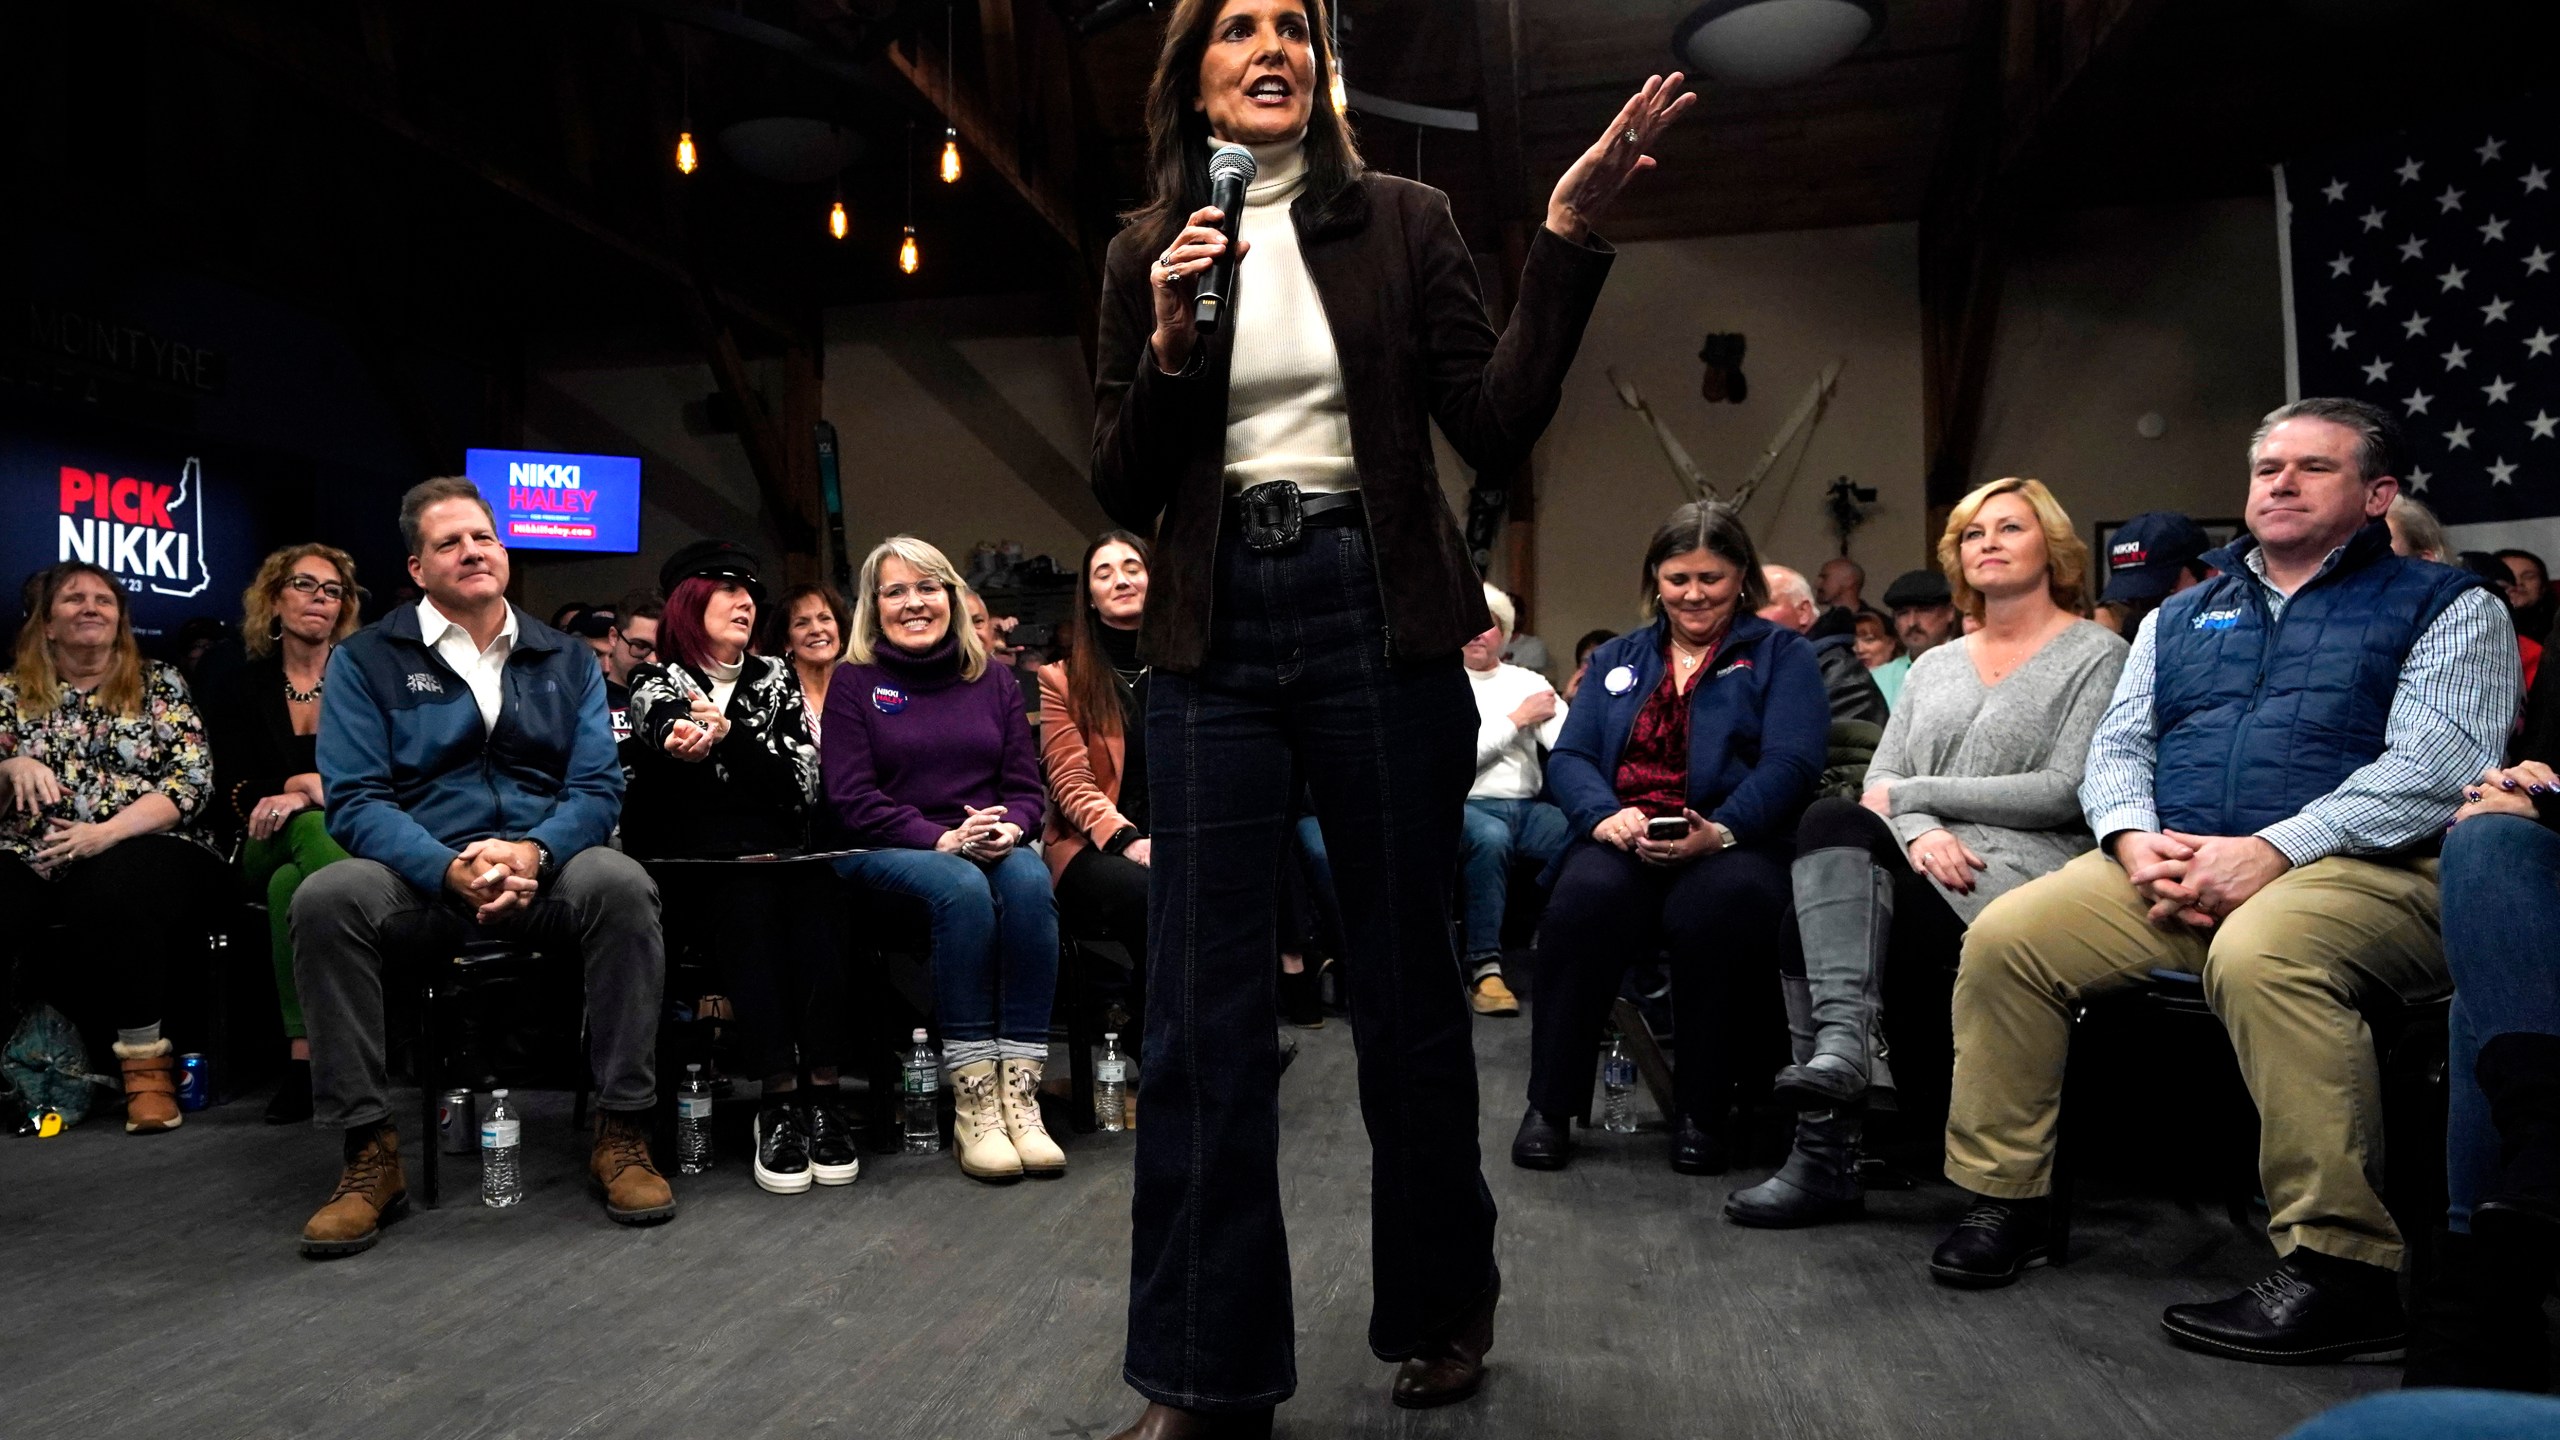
<point x="1682" y="771"/>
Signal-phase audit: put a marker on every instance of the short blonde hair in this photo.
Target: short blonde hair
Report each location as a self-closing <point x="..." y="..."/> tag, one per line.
<point x="2066" y="555"/>
<point x="258" y="602"/>
<point x="920" y="556"/>
<point x="1504" y="614"/>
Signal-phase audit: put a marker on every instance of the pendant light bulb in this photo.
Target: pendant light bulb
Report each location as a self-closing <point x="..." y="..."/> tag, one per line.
<point x="837" y="221"/>
<point x="1341" y="95"/>
<point x="950" y="156"/>
<point x="686" y="160"/>
<point x="907" y="257"/>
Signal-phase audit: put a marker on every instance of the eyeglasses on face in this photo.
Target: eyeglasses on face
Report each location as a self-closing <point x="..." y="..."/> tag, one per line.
<point x="314" y="585"/>
<point x="642" y="648"/>
<point x="921" y="590"/>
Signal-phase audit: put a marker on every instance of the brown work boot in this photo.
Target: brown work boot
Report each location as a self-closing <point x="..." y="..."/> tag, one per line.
<point x="371" y="1193"/>
<point x="150" y="1087"/>
<point x="634" y="1192"/>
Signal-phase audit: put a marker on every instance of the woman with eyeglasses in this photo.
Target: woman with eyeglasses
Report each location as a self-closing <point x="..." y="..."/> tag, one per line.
<point x="929" y="762"/>
<point x="262" y="714"/>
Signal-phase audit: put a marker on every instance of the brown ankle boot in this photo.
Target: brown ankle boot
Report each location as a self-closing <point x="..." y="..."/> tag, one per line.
<point x="634" y="1192"/>
<point x="150" y="1087"/>
<point x="1452" y="1369"/>
<point x="371" y="1193"/>
<point x="1167" y="1422"/>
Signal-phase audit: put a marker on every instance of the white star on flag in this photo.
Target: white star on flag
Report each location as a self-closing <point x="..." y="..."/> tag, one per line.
<point x="2376" y="371"/>
<point x="2373" y="218"/>
<point x="2537" y="261"/>
<point x="2414" y="326"/>
<point x="2453" y="277"/>
<point x="2458" y="438"/>
<point x="2336" y="190"/>
<point x="2489" y="149"/>
<point x="2339" y="337"/>
<point x="2376" y="294"/>
<point x="2456" y="358"/>
<point x="2536" y="178"/>
<point x="2494" y="231"/>
<point x="2417" y="482"/>
<point x="2413" y="247"/>
<point x="2338" y="267"/>
<point x="2544" y="425"/>
<point x="2502" y="473"/>
<point x="2497" y="390"/>
<point x="2451" y="200"/>
<point x="2408" y="171"/>
<point x="2495" y="311"/>
<point x="2418" y="402"/>
<point x="2539" y="342"/>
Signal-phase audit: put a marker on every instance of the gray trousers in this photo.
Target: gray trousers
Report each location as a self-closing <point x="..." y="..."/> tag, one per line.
<point x="348" y="917"/>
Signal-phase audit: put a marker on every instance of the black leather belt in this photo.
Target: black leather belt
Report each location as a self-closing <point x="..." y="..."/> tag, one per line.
<point x="1270" y="516"/>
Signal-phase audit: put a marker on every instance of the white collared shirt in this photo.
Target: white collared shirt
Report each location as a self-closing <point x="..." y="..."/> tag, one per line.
<point x="483" y="670"/>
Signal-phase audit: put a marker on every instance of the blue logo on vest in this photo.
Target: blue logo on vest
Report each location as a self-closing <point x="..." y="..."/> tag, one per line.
<point x="2216" y="620"/>
<point x="888" y="700"/>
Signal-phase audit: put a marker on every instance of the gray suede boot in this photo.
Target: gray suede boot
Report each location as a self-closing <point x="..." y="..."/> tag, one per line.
<point x="1844" y="914"/>
<point x="1819" y="1182"/>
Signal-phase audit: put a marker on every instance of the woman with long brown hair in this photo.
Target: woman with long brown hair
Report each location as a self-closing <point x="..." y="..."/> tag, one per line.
<point x="1308" y="599"/>
<point x="263" y="717"/>
<point x="1093" y="743"/>
<point x="103" y="770"/>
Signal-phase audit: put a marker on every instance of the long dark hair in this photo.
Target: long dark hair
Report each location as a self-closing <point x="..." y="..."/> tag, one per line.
<point x="1093" y="693"/>
<point x="1178" y="135"/>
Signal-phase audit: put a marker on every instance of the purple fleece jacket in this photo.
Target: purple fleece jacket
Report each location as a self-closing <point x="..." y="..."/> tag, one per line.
<point x="908" y="744"/>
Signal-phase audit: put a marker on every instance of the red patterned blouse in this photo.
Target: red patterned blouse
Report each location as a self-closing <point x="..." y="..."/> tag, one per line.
<point x="1653" y="769"/>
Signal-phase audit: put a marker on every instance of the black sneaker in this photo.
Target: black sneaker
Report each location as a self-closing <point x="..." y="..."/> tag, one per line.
<point x="2298" y="1315"/>
<point x="1302" y="998"/>
<point x="1994" y="1241"/>
<point x="834" y="1158"/>
<point x="782" y="1150"/>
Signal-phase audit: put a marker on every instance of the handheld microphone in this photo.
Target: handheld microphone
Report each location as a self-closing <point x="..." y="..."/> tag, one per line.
<point x="1231" y="168"/>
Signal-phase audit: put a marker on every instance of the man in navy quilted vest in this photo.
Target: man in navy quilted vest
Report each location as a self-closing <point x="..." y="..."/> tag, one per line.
<point x="2268" y="787"/>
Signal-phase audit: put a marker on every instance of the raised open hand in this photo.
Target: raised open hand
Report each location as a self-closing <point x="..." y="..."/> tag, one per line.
<point x="1592" y="183"/>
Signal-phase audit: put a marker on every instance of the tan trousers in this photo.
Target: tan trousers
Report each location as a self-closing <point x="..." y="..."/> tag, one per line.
<point x="2284" y="972"/>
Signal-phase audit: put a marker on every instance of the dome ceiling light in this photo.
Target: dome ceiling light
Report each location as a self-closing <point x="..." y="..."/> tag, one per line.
<point x="1773" y="42"/>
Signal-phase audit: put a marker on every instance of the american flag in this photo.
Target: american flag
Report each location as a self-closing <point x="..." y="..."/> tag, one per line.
<point x="2425" y="277"/>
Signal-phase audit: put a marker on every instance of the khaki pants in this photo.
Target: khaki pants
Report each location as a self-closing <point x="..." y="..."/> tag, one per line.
<point x="2284" y="972"/>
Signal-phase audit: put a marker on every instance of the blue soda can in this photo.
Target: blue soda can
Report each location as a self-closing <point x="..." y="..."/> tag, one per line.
<point x="195" y="1082"/>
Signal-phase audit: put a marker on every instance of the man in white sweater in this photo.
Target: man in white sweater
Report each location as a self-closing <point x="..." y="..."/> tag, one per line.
<point x="1518" y="715"/>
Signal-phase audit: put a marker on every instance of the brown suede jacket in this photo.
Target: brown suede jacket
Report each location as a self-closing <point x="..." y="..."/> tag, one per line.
<point x="1399" y="291"/>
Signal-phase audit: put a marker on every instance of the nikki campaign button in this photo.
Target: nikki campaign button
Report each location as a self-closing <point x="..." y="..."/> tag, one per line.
<point x="1620" y="680"/>
<point x="888" y="699"/>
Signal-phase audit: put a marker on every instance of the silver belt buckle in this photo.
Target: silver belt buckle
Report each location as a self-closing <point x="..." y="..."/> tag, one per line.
<point x="1274" y="515"/>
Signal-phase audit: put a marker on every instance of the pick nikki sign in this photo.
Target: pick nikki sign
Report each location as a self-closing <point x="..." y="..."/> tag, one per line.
<point x="149" y="534"/>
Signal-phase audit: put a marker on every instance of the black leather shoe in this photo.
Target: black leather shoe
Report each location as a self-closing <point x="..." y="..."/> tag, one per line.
<point x="1696" y="1150"/>
<point x="1994" y="1241"/>
<point x="1453" y="1369"/>
<point x="1542" y="1144"/>
<point x="2297" y="1316"/>
<point x="1166" y="1422"/>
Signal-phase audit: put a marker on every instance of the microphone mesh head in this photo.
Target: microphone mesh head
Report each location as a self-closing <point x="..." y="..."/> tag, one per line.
<point x="1231" y="160"/>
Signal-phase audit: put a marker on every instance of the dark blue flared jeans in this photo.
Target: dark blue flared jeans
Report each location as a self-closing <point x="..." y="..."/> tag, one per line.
<point x="1300" y="682"/>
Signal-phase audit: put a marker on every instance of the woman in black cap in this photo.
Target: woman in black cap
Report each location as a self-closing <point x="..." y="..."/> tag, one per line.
<point x="723" y="767"/>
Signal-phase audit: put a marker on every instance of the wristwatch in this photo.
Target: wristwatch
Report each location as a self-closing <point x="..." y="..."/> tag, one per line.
<point x="1724" y="834"/>
<point x="546" y="867"/>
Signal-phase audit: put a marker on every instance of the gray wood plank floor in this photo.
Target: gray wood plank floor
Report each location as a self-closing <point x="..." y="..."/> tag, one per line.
<point x="153" y="1288"/>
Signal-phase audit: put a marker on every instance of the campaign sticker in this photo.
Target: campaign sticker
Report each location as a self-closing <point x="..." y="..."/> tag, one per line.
<point x="888" y="700"/>
<point x="1621" y="680"/>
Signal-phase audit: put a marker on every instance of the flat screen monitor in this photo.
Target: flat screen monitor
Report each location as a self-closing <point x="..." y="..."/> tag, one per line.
<point x="545" y="500"/>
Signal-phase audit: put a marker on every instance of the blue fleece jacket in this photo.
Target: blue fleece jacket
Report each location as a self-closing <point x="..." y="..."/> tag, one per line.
<point x="1759" y="730"/>
<point x="411" y="775"/>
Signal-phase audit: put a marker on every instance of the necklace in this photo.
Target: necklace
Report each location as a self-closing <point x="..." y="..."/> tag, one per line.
<point x="304" y="697"/>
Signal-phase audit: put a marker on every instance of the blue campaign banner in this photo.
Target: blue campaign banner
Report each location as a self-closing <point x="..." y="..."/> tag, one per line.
<point x="546" y="500"/>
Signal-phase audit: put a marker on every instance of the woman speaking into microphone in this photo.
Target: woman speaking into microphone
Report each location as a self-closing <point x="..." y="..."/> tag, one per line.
<point x="1308" y="599"/>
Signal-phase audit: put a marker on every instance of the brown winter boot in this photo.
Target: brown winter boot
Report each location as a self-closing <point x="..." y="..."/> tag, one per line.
<point x="371" y="1193"/>
<point x="634" y="1192"/>
<point x="150" y="1087"/>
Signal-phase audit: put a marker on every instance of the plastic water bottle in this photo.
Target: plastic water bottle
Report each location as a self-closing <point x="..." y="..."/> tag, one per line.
<point x="1110" y="1084"/>
<point x="693" y="1123"/>
<point x="918" y="1091"/>
<point x="501" y="1153"/>
<point x="1618" y="1077"/>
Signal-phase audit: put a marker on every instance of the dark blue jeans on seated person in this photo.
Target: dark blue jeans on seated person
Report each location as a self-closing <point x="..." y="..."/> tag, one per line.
<point x="1299" y="681"/>
<point x="1717" y="916"/>
<point x="2501" y="887"/>
<point x="1497" y="834"/>
<point x="995" y="936"/>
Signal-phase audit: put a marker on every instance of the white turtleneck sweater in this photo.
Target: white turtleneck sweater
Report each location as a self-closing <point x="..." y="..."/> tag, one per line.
<point x="1286" y="419"/>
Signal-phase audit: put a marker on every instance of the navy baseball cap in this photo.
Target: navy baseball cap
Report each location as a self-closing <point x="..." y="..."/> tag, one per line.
<point x="1917" y="587"/>
<point x="2145" y="554"/>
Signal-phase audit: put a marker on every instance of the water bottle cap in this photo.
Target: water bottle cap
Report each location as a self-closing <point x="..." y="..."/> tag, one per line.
<point x="1110" y="1034"/>
<point x="918" y="1037"/>
<point x="693" y="1069"/>
<point x="497" y="1094"/>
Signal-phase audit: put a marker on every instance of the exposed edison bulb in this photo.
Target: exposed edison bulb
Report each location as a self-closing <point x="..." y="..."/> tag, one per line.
<point x="950" y="157"/>
<point x="686" y="160"/>
<point x="837" y="221"/>
<point x="908" y="259"/>
<point x="1341" y="95"/>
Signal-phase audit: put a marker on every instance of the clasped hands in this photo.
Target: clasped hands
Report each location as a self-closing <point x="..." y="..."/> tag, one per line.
<point x="986" y="835"/>
<point x="495" y="876"/>
<point x="2507" y="791"/>
<point x="692" y="737"/>
<point x="2196" y="880"/>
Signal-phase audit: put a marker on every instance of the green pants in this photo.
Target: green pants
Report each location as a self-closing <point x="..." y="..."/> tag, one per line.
<point x="279" y="864"/>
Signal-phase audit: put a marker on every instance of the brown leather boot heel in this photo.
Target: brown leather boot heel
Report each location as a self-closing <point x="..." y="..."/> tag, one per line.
<point x="1169" y="1422"/>
<point x="150" y="1087"/>
<point x="371" y="1193"/>
<point x="1453" y="1369"/>
<point x="634" y="1192"/>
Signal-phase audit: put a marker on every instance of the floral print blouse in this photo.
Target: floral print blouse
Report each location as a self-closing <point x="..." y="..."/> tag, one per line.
<point x="106" y="761"/>
<point x="751" y="794"/>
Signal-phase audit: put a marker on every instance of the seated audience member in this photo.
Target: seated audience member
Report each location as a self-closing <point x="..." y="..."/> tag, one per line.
<point x="1093" y="736"/>
<point x="1517" y="715"/>
<point x="1591" y="640"/>
<point x="567" y="614"/>
<point x="811" y="623"/>
<point x="2150" y="558"/>
<point x="595" y="627"/>
<point x="1852" y="692"/>
<point x="1881" y="653"/>
<point x="2493" y="572"/>
<point x="263" y="717"/>
<point x="994" y="631"/>
<point x="1973" y="791"/>
<point x="2417" y="533"/>
<point x="632" y="642"/>
<point x="1924" y="618"/>
<point x="471" y="778"/>
<point x="106" y="770"/>
<point x="929" y="757"/>
<point x="2286" y="739"/>
<point x="2480" y="1322"/>
<point x="1519" y="648"/>
<point x="1839" y="595"/>
<point x="2529" y="596"/>
<point x="1681" y="781"/>
<point x="722" y="768"/>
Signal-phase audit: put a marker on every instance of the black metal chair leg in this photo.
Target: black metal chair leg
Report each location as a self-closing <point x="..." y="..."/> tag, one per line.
<point x="1081" y="1038"/>
<point x="429" y="1065"/>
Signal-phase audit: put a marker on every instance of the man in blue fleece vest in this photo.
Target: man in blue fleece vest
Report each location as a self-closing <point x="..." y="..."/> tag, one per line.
<point x="471" y="776"/>
<point x="2284" y="749"/>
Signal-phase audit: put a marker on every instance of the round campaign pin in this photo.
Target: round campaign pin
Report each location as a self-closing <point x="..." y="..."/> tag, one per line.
<point x="1620" y="680"/>
<point x="889" y="700"/>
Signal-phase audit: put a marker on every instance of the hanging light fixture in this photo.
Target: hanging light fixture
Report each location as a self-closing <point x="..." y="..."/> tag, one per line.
<point x="837" y="221"/>
<point x="687" y="160"/>
<point x="1773" y="42"/>
<point x="950" y="135"/>
<point x="1341" y="89"/>
<point x="907" y="258"/>
<point x="950" y="156"/>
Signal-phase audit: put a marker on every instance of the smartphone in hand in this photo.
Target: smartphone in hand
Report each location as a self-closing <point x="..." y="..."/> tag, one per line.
<point x="1667" y="828"/>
